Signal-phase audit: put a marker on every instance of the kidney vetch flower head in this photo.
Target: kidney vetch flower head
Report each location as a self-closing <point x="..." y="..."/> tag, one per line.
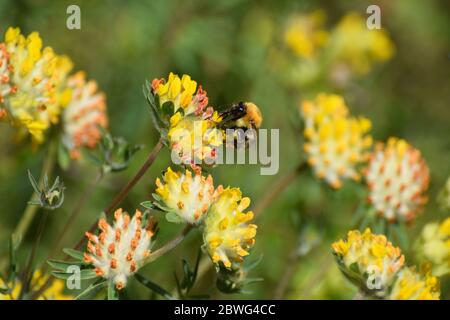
<point x="194" y="140"/>
<point x="32" y="87"/>
<point x="84" y="115"/>
<point x="366" y="256"/>
<point x="186" y="195"/>
<point x="227" y="235"/>
<point x="397" y="178"/>
<point x="411" y="285"/>
<point x="359" y="48"/>
<point x="305" y="34"/>
<point x="120" y="249"/>
<point x="182" y="93"/>
<point x="434" y="246"/>
<point x="336" y="143"/>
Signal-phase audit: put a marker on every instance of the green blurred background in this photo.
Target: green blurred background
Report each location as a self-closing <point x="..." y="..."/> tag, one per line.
<point x="225" y="45"/>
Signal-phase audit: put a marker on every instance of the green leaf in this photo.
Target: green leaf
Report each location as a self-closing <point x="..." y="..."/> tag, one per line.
<point x="173" y="217"/>
<point x="156" y="197"/>
<point x="113" y="294"/>
<point x="354" y="267"/>
<point x="85" y="274"/>
<point x="168" y="108"/>
<point x="154" y="287"/>
<point x="77" y="255"/>
<point x="60" y="265"/>
<point x="61" y="275"/>
<point x="92" y="290"/>
<point x="33" y="182"/>
<point x="153" y="102"/>
<point x="148" y="205"/>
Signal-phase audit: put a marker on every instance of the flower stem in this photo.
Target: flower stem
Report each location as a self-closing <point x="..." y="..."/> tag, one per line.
<point x="127" y="188"/>
<point x="169" y="245"/>
<point x="291" y="266"/>
<point x="28" y="272"/>
<point x="30" y="210"/>
<point x="278" y="188"/>
<point x="74" y="215"/>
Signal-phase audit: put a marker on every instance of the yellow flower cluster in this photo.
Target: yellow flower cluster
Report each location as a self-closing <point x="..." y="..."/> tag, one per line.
<point x="434" y="246"/>
<point x="368" y="256"/>
<point x="192" y="130"/>
<point x="83" y="116"/>
<point x="411" y="285"/>
<point x="194" y="140"/>
<point x="305" y="34"/>
<point x="188" y="196"/>
<point x="120" y="249"/>
<point x="397" y="178"/>
<point x="55" y="291"/>
<point x="336" y="143"/>
<point x="182" y="93"/>
<point x="358" y="47"/>
<point x="32" y="85"/>
<point x="336" y="54"/>
<point x="227" y="234"/>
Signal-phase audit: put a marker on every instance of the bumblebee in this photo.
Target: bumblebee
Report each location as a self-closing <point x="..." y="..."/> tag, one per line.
<point x="244" y="116"/>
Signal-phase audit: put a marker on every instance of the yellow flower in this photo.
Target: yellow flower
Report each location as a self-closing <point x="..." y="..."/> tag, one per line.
<point x="188" y="196"/>
<point x="36" y="90"/>
<point x="53" y="292"/>
<point x="83" y="116"/>
<point x="358" y="47"/>
<point x="227" y="235"/>
<point x="434" y="246"/>
<point x="335" y="142"/>
<point x="368" y="260"/>
<point x="182" y="93"/>
<point x="120" y="249"/>
<point x="193" y="139"/>
<point x="397" y="178"/>
<point x="305" y="34"/>
<point x="411" y="285"/>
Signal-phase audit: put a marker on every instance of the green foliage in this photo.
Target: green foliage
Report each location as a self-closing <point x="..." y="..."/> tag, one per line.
<point x="233" y="48"/>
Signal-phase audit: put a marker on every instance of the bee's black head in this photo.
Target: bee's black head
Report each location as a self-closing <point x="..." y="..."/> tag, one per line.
<point x="241" y="107"/>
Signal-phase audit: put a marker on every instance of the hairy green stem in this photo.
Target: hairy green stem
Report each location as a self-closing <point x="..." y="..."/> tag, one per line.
<point x="28" y="272"/>
<point x="127" y="188"/>
<point x="31" y="210"/>
<point x="169" y="245"/>
<point x="278" y="187"/>
<point x="87" y="193"/>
